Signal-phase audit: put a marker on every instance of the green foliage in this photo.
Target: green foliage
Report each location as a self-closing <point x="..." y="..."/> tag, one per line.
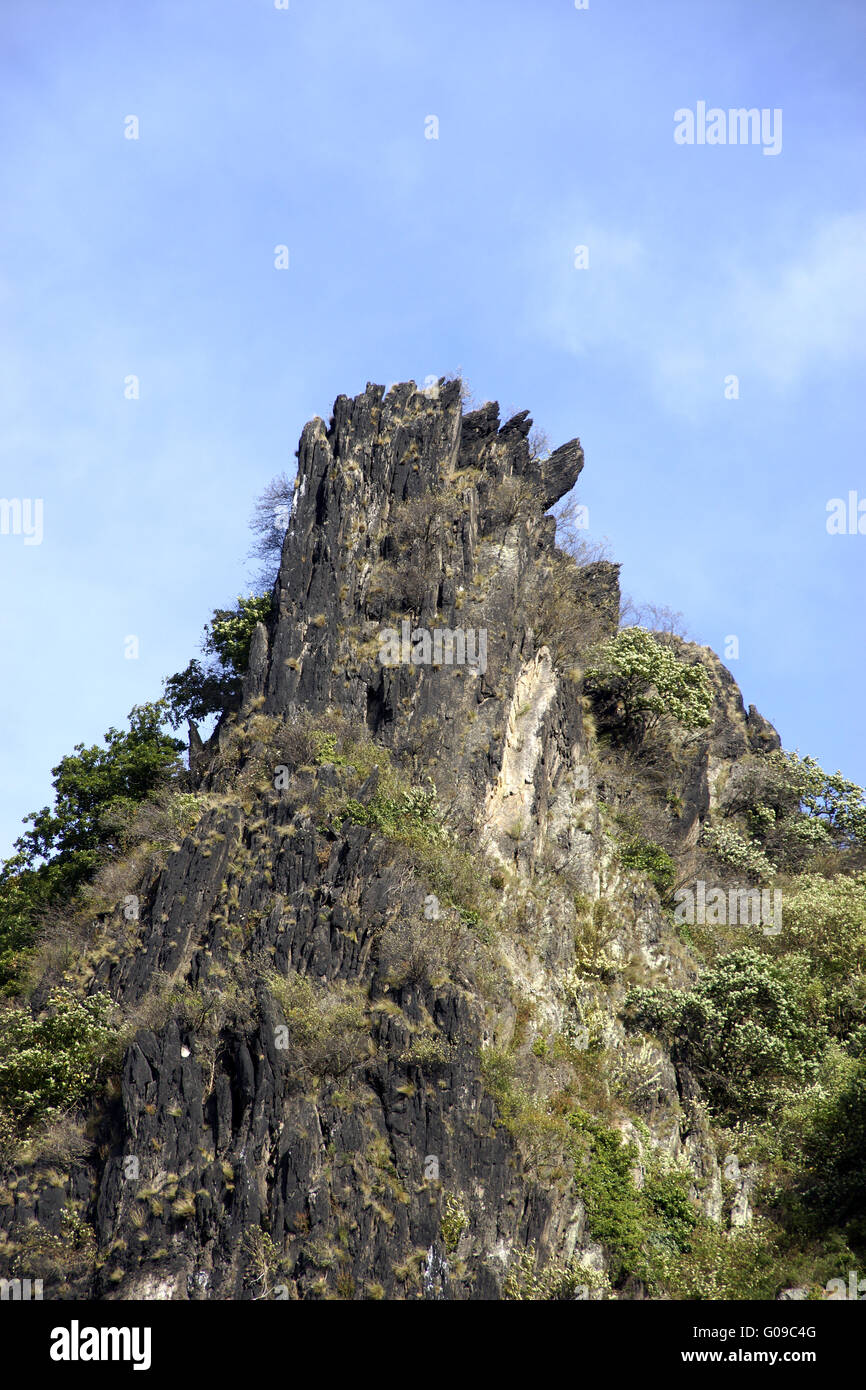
<point x="825" y="920"/>
<point x="793" y="809"/>
<point x="406" y="815"/>
<point x="666" y="1195"/>
<point x="812" y="1157"/>
<point x="747" y="1029"/>
<point x="396" y="809"/>
<point x="637" y="680"/>
<point x="558" y="1282"/>
<point x="595" y="929"/>
<point x="95" y="789"/>
<point x="498" y="1073"/>
<point x="614" y="1208"/>
<point x="86" y="783"/>
<point x="726" y="845"/>
<point x="261" y="1262"/>
<point x="651" y="1229"/>
<point x="834" y="1172"/>
<point x="57" y="1257"/>
<point x="828" y="798"/>
<point x="536" y="1122"/>
<point x="231" y="631"/>
<point x="201" y="690"/>
<point x="51" y="1063"/>
<point x="651" y="859"/>
<point x="743" y="1263"/>
<point x="637" y="1225"/>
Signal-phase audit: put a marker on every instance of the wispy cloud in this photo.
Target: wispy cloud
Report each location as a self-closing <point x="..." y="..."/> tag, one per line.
<point x="685" y="329"/>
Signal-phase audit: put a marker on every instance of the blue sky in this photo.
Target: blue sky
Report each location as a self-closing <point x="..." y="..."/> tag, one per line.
<point x="410" y="257"/>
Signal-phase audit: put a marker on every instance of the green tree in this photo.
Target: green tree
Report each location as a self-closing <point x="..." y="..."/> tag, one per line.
<point x="828" y="798"/>
<point x="637" y="680"/>
<point x="748" y="1029"/>
<point x="825" y="920"/>
<point x="794" y="812"/>
<point x="200" y="690"/>
<point x="50" y="1063"/>
<point x="834" y="1172"/>
<point x="650" y="859"/>
<point x="67" y="841"/>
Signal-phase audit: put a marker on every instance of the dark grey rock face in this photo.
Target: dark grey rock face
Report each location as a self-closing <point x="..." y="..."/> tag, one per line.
<point x="472" y="562"/>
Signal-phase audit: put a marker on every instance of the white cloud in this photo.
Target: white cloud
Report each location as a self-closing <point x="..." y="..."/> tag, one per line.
<point x="812" y="310"/>
<point x="686" y="325"/>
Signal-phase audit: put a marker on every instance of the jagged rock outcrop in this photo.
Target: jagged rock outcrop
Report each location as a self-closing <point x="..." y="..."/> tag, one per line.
<point x="233" y="1166"/>
<point x="471" y="564"/>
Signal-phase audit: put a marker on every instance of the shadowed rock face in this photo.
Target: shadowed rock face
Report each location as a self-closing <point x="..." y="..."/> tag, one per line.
<point x="405" y="509"/>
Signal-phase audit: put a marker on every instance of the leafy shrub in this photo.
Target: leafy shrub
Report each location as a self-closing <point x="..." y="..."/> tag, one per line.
<point x="408" y="815"/>
<point x="835" y="1157"/>
<point x="537" y="1125"/>
<point x="651" y="859"/>
<point x="200" y="690"/>
<point x="746" y="1029"/>
<point x="162" y="818"/>
<point x="636" y="1225"/>
<point x="727" y="845"/>
<point x="453" y="1222"/>
<point x="97" y="791"/>
<point x="614" y="1208"/>
<point x="635" y="1072"/>
<point x="794" y="808"/>
<point x="262" y="1262"/>
<point x="231" y="631"/>
<point x="404" y="814"/>
<point x="829" y="798"/>
<point x="51" y="1063"/>
<point x="637" y="680"/>
<point x="418" y="950"/>
<point x="56" y="1258"/>
<point x="428" y="1052"/>
<point x="595" y="931"/>
<point x="9" y="1139"/>
<point x="558" y="1282"/>
<point x="825" y="919"/>
<point x="743" y="1263"/>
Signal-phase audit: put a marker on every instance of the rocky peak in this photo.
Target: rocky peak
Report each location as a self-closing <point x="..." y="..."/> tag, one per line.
<point x="330" y="993"/>
<point x="407" y="511"/>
